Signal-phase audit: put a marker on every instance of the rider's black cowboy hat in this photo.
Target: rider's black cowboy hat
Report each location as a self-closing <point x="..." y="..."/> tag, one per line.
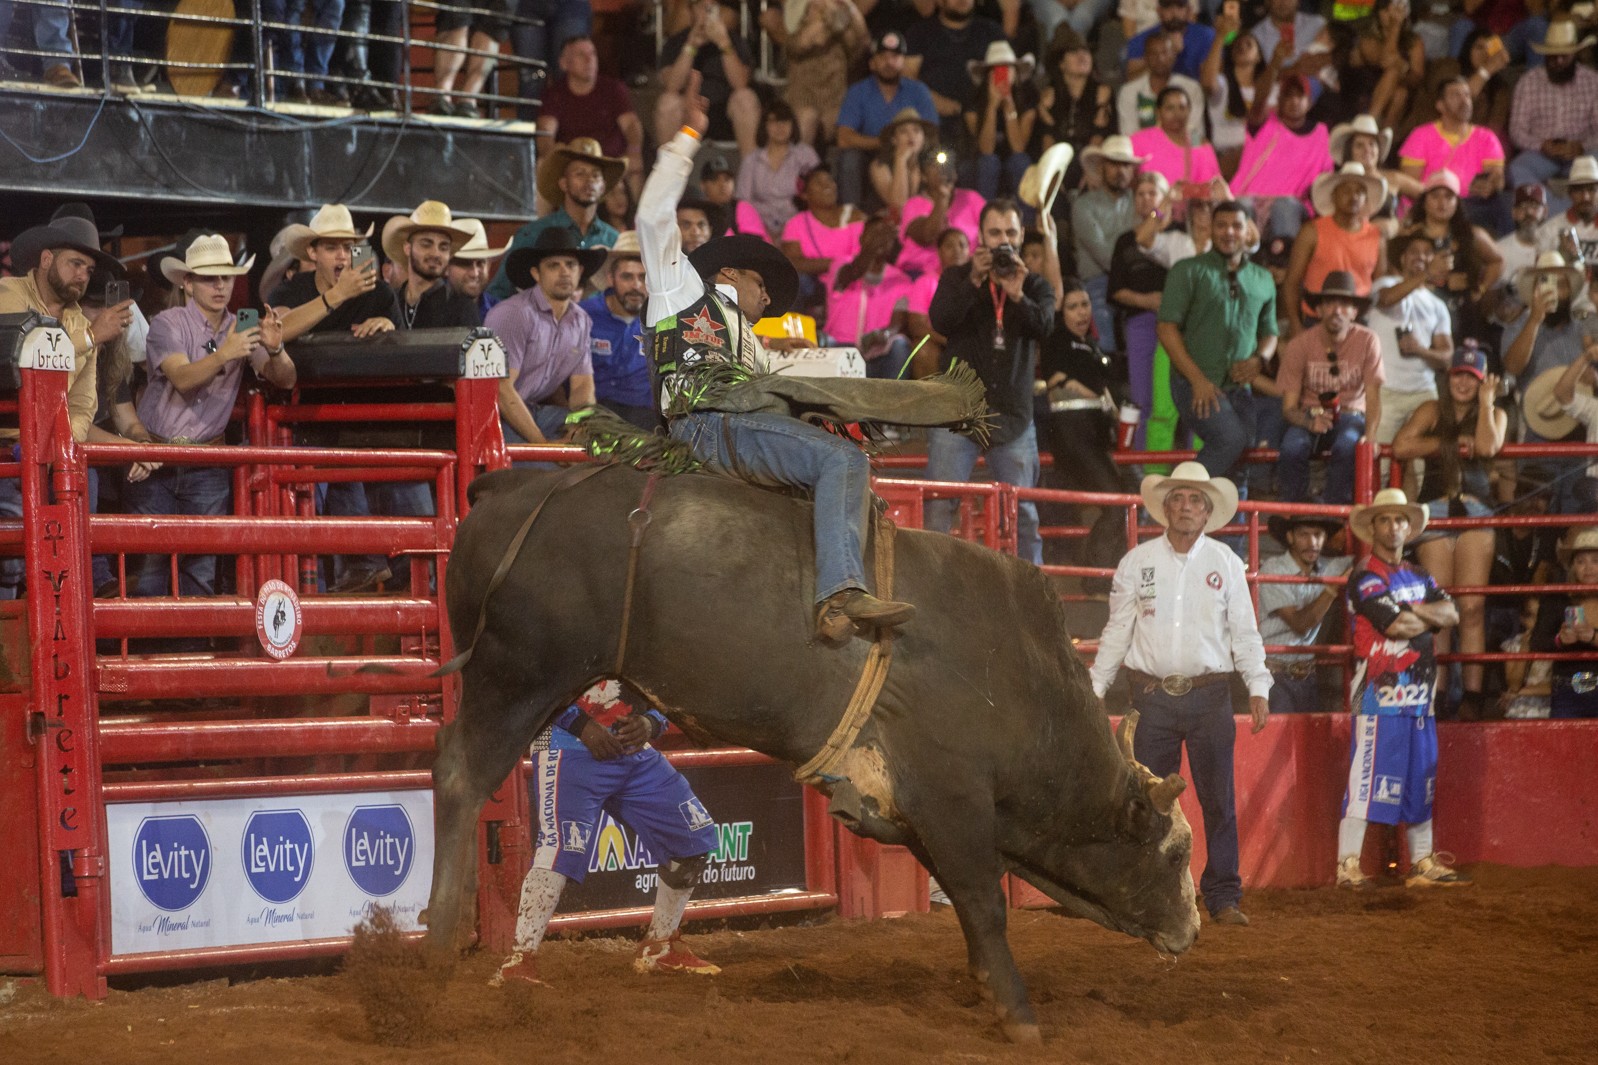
<point x="556" y="240"/>
<point x="742" y="251"/>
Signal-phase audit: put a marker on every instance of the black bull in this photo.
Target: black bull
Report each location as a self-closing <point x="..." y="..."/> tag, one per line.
<point x="987" y="751"/>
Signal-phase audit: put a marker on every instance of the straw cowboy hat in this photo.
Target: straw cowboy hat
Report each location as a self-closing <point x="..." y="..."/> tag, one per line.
<point x="1320" y="193"/>
<point x="1116" y="149"/>
<point x="908" y="114"/>
<point x="1221" y="492"/>
<point x="626" y="247"/>
<point x="65" y="231"/>
<point x="1000" y="54"/>
<point x="1364" y="125"/>
<point x="552" y="167"/>
<point x="431" y="217"/>
<point x="1545" y="415"/>
<point x="1561" y="40"/>
<point x="1042" y="180"/>
<point x="1339" y="284"/>
<point x="1579" y="538"/>
<point x="1583" y="171"/>
<point x="476" y="246"/>
<point x="331" y="222"/>
<point x="556" y="240"/>
<point x="208" y="256"/>
<point x="1387" y="501"/>
<point x="1548" y="262"/>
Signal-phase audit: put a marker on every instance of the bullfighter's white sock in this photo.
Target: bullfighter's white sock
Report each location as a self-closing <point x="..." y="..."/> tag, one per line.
<point x="1420" y="841"/>
<point x="540" y="895"/>
<point x="1350" y="837"/>
<point x="670" y="903"/>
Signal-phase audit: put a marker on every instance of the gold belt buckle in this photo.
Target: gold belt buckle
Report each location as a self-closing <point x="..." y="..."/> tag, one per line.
<point x="1176" y="684"/>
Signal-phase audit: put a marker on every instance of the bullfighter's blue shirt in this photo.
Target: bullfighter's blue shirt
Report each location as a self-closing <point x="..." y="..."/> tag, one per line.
<point x="621" y="372"/>
<point x="1391" y="676"/>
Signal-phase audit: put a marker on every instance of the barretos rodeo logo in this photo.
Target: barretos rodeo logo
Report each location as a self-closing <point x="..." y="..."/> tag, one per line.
<point x="379" y="847"/>
<point x="172" y="861"/>
<point x="278" y="852"/>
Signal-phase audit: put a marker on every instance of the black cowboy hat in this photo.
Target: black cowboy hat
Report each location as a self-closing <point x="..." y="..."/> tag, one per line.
<point x="69" y="231"/>
<point x="743" y="251"/>
<point x="556" y="240"/>
<point x="85" y="212"/>
<point x="1280" y="525"/>
<point x="1339" y="285"/>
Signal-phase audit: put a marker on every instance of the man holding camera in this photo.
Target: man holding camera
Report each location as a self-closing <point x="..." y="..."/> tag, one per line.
<point x="994" y="313"/>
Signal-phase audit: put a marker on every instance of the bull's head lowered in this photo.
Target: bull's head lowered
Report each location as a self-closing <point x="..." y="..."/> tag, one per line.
<point x="1130" y="872"/>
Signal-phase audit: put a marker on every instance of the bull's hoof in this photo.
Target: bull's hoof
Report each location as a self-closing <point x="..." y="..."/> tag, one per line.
<point x="1017" y="1032"/>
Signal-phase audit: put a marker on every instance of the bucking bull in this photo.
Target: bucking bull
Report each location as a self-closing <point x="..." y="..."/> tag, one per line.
<point x="986" y="753"/>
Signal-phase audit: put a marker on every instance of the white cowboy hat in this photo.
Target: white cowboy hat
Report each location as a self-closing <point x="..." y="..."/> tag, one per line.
<point x="1388" y="499"/>
<point x="1221" y="492"/>
<point x="1337" y="143"/>
<point x="431" y="216"/>
<point x="1578" y="538"/>
<point x="1320" y="193"/>
<point x="208" y="256"/>
<point x="1116" y="149"/>
<point x="1000" y="54"/>
<point x="1041" y="182"/>
<point x="1583" y="171"/>
<point x="332" y="222"/>
<point x="476" y="246"/>
<point x="1560" y="39"/>
<point x="626" y="247"/>
<point x="1545" y="415"/>
<point x="1548" y="262"/>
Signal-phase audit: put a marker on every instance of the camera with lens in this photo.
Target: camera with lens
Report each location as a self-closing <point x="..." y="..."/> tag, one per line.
<point x="1006" y="261"/>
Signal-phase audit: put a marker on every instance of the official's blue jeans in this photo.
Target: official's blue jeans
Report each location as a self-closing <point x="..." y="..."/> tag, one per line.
<point x="784" y="450"/>
<point x="996" y="176"/>
<point x="1203" y="720"/>
<point x="1299" y="445"/>
<point x="51" y="27"/>
<point x="195" y="490"/>
<point x="1098" y="290"/>
<point x="952" y="457"/>
<point x="1227" y="433"/>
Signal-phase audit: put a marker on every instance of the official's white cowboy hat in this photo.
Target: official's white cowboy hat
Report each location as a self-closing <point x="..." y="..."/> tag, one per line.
<point x="1116" y="149"/>
<point x="1365" y="125"/>
<point x="476" y="246"/>
<point x="208" y="256"/>
<point x="1221" y="492"/>
<point x="1320" y="193"/>
<point x="1545" y="415"/>
<point x="1583" y="171"/>
<point x="331" y="222"/>
<point x="1386" y="501"/>
<point x="1000" y="54"/>
<point x="430" y="216"/>
<point x="1561" y="40"/>
<point x="1041" y="182"/>
<point x="1548" y="262"/>
<point x="626" y="247"/>
<point x="1579" y="538"/>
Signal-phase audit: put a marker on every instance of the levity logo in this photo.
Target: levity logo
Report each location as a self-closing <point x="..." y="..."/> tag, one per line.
<point x="278" y="851"/>
<point x="379" y="846"/>
<point x="172" y="860"/>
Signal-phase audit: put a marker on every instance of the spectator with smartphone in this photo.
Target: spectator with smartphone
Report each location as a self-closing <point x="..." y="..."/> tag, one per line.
<point x="939" y="206"/>
<point x="1573" y="394"/>
<point x="1294" y="41"/>
<point x="874" y="104"/>
<point x="1567" y="624"/>
<point x="940" y="47"/>
<point x="1001" y="118"/>
<point x="1573" y="232"/>
<point x="1415" y="332"/>
<point x="713" y="47"/>
<point x="1554" y="113"/>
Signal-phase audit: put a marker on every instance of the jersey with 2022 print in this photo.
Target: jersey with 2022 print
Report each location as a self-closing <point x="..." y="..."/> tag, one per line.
<point x="1391" y="676"/>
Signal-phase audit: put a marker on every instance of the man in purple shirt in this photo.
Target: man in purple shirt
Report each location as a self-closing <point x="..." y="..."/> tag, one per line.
<point x="548" y="366"/>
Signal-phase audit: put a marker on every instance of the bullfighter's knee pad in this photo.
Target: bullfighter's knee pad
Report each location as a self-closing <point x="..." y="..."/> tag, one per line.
<point x="683" y="873"/>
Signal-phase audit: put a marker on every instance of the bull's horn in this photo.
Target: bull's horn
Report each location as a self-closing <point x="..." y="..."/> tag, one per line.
<point x="1163" y="793"/>
<point x="1124" y="733"/>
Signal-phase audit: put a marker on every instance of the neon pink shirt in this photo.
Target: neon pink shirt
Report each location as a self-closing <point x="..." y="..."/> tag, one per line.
<point x="1194" y="165"/>
<point x="1429" y="147"/>
<point x="817" y="240"/>
<point x="924" y="288"/>
<point x="1278" y="162"/>
<point x="861" y="308"/>
<point x="747" y="220"/>
<point x="965" y="214"/>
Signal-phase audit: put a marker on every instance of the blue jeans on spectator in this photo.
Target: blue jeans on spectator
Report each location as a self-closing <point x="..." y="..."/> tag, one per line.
<point x="1227" y="433"/>
<point x="1299" y="445"/>
<point x="12" y="568"/>
<point x="851" y="175"/>
<point x="889" y="366"/>
<point x="551" y="421"/>
<point x="308" y="53"/>
<point x="1296" y="695"/>
<point x="1083" y="17"/>
<point x="775" y="448"/>
<point x="1203" y="720"/>
<point x="952" y="457"/>
<point x="996" y="177"/>
<point x="1098" y="290"/>
<point x="51" y="28"/>
<point x="561" y="19"/>
<point x="347" y="499"/>
<point x="1533" y="167"/>
<point x="195" y="490"/>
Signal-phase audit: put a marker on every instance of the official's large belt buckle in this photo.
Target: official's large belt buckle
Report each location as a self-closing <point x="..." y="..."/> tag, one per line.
<point x="1584" y="682"/>
<point x="1176" y="684"/>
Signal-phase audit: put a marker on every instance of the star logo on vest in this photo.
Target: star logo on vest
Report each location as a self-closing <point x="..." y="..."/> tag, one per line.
<point x="702" y="329"/>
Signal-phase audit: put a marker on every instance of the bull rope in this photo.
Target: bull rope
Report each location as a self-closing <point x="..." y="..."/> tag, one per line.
<point x="825" y="764"/>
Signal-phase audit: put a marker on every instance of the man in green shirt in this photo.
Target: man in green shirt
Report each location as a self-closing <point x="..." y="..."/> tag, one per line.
<point x="1218" y="324"/>
<point x="575" y="176"/>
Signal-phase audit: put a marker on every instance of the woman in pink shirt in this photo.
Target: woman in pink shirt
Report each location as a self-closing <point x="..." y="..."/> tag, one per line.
<point x="870" y="303"/>
<point x="822" y="237"/>
<point x="1188" y="167"/>
<point x="938" y="207"/>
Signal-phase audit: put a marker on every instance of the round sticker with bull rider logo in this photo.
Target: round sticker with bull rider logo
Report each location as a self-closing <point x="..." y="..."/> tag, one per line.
<point x="278" y="621"/>
<point x="1213" y="580"/>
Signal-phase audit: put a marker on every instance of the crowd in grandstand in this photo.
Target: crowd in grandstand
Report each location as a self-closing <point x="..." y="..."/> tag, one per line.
<point x="1286" y="225"/>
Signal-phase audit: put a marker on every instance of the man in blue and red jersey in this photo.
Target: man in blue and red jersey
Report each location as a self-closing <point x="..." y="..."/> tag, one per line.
<point x="597" y="756"/>
<point x="1396" y="608"/>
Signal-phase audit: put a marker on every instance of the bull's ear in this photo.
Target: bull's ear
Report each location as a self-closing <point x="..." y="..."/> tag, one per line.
<point x="1140" y="821"/>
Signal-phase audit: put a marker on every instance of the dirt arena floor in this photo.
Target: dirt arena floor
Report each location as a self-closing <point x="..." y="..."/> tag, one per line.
<point x="1500" y="973"/>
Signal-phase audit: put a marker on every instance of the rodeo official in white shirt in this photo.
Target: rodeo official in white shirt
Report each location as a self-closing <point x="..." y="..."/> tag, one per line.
<point x="1182" y="622"/>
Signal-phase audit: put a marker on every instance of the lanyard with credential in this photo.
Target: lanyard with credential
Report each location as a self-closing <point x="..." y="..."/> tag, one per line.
<point x="999" y="297"/>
